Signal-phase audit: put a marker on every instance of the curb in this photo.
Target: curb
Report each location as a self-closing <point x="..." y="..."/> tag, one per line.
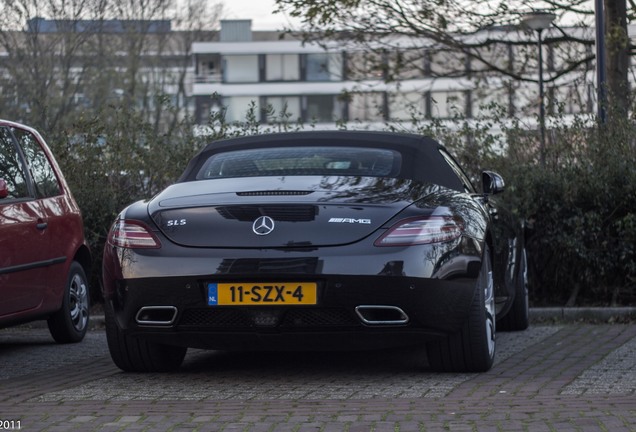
<point x="572" y="314"/>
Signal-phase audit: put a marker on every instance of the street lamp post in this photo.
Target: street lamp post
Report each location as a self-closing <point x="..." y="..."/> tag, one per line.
<point x="539" y="21"/>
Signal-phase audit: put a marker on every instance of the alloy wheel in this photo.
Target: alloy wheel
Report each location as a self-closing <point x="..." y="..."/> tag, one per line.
<point x="78" y="303"/>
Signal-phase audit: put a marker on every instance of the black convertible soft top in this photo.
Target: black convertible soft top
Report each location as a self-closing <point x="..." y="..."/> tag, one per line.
<point x="421" y="157"/>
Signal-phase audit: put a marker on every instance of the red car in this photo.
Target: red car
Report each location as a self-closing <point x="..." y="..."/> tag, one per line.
<point x="44" y="258"/>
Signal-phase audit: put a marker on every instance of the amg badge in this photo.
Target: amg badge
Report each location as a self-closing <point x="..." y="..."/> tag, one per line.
<point x="350" y="221"/>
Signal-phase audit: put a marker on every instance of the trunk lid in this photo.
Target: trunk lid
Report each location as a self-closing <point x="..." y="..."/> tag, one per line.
<point x="280" y="212"/>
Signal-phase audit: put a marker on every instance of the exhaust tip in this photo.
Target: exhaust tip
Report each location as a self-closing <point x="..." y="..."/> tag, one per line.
<point x="156" y="315"/>
<point x="381" y="315"/>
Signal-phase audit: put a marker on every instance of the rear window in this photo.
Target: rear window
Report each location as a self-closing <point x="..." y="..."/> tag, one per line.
<point x="287" y="161"/>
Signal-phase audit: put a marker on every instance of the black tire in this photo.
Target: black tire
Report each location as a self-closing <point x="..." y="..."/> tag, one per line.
<point x="472" y="349"/>
<point x="132" y="354"/>
<point x="69" y="324"/>
<point x="518" y="317"/>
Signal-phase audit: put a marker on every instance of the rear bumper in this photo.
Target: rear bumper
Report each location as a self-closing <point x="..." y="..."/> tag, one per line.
<point x="396" y="311"/>
<point x="431" y="285"/>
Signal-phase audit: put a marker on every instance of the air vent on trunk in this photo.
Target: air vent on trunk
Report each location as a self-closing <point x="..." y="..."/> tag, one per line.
<point x="289" y="213"/>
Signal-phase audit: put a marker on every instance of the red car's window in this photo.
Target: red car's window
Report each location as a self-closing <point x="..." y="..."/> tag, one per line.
<point x="46" y="183"/>
<point x="11" y="167"/>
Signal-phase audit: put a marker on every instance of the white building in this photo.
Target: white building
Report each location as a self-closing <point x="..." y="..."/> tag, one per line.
<point x="319" y="84"/>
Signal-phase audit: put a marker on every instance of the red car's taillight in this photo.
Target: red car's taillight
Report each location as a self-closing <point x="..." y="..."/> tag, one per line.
<point x="432" y="229"/>
<point x="132" y="235"/>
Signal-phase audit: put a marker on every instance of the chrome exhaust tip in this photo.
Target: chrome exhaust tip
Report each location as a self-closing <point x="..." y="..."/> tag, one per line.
<point x="381" y="315"/>
<point x="156" y="315"/>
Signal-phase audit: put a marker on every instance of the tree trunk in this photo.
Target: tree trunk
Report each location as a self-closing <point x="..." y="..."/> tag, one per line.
<point x="617" y="55"/>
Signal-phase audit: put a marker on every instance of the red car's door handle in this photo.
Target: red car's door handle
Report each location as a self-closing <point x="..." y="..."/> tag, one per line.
<point x="42" y="226"/>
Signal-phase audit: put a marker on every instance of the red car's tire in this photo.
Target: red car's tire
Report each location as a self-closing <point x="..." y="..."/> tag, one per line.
<point x="70" y="323"/>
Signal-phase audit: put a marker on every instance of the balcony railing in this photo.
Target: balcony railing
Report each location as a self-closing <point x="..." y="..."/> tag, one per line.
<point x="207" y="78"/>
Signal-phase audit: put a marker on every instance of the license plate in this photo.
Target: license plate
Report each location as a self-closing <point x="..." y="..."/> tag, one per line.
<point x="262" y="294"/>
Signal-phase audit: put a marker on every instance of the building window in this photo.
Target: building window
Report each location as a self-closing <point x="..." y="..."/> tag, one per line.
<point x="403" y="106"/>
<point x="447" y="104"/>
<point x="323" y="108"/>
<point x="366" y="107"/>
<point x="499" y="55"/>
<point x="282" y="67"/>
<point x="526" y="99"/>
<point x="240" y="69"/>
<point x="207" y="69"/>
<point x="446" y="64"/>
<point x="323" y="67"/>
<point x="365" y="65"/>
<point x="238" y="107"/>
<point x="571" y="99"/>
<point x="282" y="108"/>
<point x="490" y="102"/>
<point x="407" y="64"/>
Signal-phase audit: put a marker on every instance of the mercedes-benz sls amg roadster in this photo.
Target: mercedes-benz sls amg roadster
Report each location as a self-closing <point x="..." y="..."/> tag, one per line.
<point x="315" y="241"/>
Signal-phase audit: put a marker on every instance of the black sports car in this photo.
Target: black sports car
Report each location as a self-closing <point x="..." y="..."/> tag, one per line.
<point x="311" y="241"/>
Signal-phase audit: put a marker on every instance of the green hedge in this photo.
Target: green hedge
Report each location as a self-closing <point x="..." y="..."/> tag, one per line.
<point x="579" y="203"/>
<point x="114" y="158"/>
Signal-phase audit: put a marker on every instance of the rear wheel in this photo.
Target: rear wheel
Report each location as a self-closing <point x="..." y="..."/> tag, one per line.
<point x="517" y="317"/>
<point x="69" y="324"/>
<point x="472" y="349"/>
<point x="133" y="354"/>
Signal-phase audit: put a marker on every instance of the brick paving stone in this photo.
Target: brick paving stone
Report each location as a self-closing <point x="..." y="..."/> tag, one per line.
<point x="306" y="427"/>
<point x="575" y="377"/>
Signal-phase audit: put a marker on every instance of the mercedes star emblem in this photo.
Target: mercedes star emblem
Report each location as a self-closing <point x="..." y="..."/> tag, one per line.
<point x="263" y="225"/>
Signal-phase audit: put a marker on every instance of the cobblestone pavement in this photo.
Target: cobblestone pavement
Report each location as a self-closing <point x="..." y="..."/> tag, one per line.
<point x="568" y="377"/>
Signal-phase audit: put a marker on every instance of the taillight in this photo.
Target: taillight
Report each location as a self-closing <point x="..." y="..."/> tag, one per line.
<point x="132" y="234"/>
<point x="432" y="229"/>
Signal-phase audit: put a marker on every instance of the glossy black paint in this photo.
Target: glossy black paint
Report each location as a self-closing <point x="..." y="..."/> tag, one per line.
<point x="220" y="213"/>
<point x="206" y="232"/>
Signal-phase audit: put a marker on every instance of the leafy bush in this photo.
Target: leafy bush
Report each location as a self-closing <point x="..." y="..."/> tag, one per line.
<point x="579" y="205"/>
<point x="582" y="206"/>
<point x="113" y="159"/>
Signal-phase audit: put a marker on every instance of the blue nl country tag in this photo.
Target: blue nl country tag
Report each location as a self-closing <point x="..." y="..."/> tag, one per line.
<point x="213" y="294"/>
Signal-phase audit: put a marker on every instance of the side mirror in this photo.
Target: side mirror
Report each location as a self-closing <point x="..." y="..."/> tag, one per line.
<point x="4" y="189"/>
<point x="492" y="183"/>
